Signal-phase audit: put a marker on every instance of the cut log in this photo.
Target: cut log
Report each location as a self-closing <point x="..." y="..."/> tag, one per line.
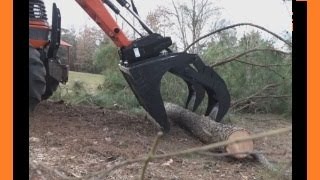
<point x="209" y="131"/>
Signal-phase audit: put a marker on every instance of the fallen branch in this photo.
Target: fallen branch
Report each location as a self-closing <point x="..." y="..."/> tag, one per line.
<point x="212" y="154"/>
<point x="242" y="100"/>
<point x="209" y="131"/>
<point x="235" y="25"/>
<point x="249" y="101"/>
<point x="151" y="154"/>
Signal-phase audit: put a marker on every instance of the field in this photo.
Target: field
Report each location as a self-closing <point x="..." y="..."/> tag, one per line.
<point x="73" y="141"/>
<point x="90" y="81"/>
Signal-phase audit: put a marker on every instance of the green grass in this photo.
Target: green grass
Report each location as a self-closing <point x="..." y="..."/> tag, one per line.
<point x="106" y="90"/>
<point x="91" y="82"/>
<point x="79" y="87"/>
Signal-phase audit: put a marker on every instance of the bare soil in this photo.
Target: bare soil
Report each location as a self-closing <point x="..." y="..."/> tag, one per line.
<point x="74" y="141"/>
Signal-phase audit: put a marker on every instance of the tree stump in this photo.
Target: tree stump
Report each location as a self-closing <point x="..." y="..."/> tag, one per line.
<point x="209" y="131"/>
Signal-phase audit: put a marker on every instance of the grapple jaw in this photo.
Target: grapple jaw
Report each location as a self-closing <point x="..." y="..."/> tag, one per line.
<point x="144" y="78"/>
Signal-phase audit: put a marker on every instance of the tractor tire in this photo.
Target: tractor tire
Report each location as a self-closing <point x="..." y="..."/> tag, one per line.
<point x="37" y="81"/>
<point x="51" y="86"/>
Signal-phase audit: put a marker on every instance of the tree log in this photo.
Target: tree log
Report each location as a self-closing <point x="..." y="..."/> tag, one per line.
<point x="209" y="131"/>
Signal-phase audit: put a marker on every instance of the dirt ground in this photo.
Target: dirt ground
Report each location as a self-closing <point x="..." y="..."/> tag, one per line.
<point x="74" y="141"/>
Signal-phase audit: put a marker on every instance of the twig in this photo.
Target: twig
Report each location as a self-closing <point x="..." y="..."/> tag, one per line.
<point x="265" y="162"/>
<point x="151" y="154"/>
<point x="243" y="107"/>
<point x="269" y="68"/>
<point x="234" y="58"/>
<point x="273" y="96"/>
<point x="235" y="25"/>
<point x="230" y="154"/>
<point x="263" y="65"/>
<point x="253" y="95"/>
<point x="252" y="102"/>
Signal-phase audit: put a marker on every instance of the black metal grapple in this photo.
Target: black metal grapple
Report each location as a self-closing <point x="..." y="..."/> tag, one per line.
<point x="144" y="73"/>
<point x="145" y="60"/>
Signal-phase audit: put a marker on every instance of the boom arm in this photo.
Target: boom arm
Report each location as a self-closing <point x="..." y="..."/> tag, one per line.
<point x="98" y="12"/>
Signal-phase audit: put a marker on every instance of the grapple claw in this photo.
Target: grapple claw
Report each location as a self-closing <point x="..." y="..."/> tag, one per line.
<point x="218" y="97"/>
<point x="195" y="96"/>
<point x="144" y="78"/>
<point x="218" y="94"/>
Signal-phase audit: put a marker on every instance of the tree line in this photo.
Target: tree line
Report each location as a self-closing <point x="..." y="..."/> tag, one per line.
<point x="257" y="69"/>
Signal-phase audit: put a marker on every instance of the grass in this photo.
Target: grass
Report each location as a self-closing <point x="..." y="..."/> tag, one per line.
<point x="79" y="87"/>
<point x="108" y="90"/>
<point x="91" y="82"/>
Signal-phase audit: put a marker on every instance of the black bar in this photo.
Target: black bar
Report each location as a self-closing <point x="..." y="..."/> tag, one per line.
<point x="299" y="90"/>
<point x="20" y="91"/>
<point x="123" y="3"/>
<point x="117" y="11"/>
<point x="112" y="6"/>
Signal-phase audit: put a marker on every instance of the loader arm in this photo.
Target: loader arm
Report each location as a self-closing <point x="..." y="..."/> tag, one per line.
<point x="144" y="61"/>
<point x="98" y="12"/>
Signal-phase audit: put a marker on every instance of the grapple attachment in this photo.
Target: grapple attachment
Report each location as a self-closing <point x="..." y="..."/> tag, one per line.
<point x="143" y="65"/>
<point x="144" y="78"/>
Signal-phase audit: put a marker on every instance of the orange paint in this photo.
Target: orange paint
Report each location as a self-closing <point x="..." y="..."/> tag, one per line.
<point x="6" y="91"/>
<point x="97" y="11"/>
<point x="313" y="90"/>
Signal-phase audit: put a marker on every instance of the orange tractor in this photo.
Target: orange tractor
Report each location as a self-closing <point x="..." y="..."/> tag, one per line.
<point x="45" y="68"/>
<point x="143" y="61"/>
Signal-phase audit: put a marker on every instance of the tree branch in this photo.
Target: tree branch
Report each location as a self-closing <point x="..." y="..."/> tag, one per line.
<point x="151" y="154"/>
<point x="230" y="154"/>
<point x="235" y="25"/>
<point x="273" y="96"/>
<point x="256" y="97"/>
<point x="234" y="58"/>
<point x="262" y="65"/>
<point x="253" y="95"/>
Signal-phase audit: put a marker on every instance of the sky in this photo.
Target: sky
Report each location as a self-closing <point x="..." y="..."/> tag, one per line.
<point x="274" y="15"/>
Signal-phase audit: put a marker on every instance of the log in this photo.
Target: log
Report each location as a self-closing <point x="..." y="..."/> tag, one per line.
<point x="209" y="131"/>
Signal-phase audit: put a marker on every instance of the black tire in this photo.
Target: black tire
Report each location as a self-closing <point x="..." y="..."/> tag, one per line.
<point x="51" y="86"/>
<point x="37" y="74"/>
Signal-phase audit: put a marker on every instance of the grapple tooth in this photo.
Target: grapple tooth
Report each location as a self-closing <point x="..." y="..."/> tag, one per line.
<point x="196" y="91"/>
<point x="148" y="95"/>
<point x="218" y="102"/>
<point x="195" y="96"/>
<point x="218" y="97"/>
<point x="214" y="112"/>
<point x="212" y="102"/>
